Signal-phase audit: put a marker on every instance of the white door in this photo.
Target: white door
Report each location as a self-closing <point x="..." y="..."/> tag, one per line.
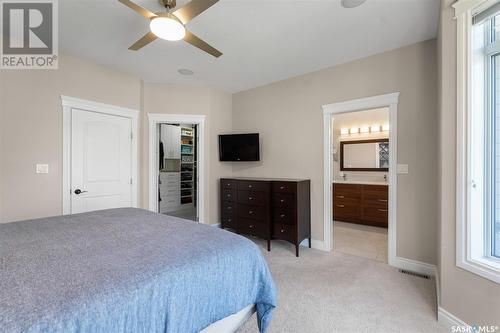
<point x="101" y="161"/>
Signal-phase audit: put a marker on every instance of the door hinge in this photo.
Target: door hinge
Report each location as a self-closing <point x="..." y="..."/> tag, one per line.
<point x="130" y="181"/>
<point x="131" y="135"/>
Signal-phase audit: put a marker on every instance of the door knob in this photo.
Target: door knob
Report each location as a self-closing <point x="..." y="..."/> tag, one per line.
<point x="78" y="191"/>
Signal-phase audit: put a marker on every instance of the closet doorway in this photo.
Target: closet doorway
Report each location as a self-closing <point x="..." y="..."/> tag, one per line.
<point x="176" y="165"/>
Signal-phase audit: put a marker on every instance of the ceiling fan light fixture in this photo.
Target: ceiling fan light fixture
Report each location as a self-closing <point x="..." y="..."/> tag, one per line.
<point x="168" y="28"/>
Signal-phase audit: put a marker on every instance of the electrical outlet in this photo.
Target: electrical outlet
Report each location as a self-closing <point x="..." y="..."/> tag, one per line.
<point x="402" y="168"/>
<point x="42" y="168"/>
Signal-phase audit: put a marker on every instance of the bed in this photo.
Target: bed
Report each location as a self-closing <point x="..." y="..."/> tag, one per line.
<point x="129" y="270"/>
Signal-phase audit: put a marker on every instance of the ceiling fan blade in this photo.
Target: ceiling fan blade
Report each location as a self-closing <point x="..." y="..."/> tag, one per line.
<point x="202" y="45"/>
<point x="193" y="9"/>
<point x="148" y="38"/>
<point x="141" y="10"/>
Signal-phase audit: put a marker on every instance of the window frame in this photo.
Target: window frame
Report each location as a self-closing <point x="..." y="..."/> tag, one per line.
<point x="472" y="247"/>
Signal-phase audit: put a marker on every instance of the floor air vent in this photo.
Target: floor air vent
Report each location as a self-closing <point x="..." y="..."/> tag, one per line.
<point x="423" y="276"/>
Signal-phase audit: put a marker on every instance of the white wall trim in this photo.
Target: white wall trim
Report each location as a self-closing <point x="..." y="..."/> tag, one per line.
<point x="474" y="6"/>
<point x="390" y="101"/>
<point x="448" y="320"/>
<point x="77" y="103"/>
<point x="70" y="103"/>
<point x="414" y="266"/>
<point x="154" y="119"/>
<point x="464" y="10"/>
<point x="315" y="244"/>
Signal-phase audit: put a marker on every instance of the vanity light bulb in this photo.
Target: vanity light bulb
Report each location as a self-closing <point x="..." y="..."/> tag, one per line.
<point x="354" y="130"/>
<point x="344" y="131"/>
<point x="365" y="129"/>
<point x="385" y="127"/>
<point x="375" y="128"/>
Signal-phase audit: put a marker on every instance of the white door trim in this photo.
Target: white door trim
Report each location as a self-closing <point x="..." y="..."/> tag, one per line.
<point x="390" y="101"/>
<point x="69" y="103"/>
<point x="154" y="119"/>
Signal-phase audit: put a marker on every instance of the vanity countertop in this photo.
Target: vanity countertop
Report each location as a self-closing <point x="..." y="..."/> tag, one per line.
<point x="361" y="182"/>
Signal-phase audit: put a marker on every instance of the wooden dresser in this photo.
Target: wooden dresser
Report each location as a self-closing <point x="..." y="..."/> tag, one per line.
<point x="267" y="208"/>
<point x="362" y="204"/>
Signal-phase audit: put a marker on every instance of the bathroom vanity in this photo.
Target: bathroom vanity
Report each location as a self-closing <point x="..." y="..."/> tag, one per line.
<point x="362" y="203"/>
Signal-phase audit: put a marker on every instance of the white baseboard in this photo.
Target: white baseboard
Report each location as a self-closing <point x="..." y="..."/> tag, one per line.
<point x="444" y="317"/>
<point x="315" y="244"/>
<point x="414" y="266"/>
<point x="448" y="320"/>
<point x="217" y="225"/>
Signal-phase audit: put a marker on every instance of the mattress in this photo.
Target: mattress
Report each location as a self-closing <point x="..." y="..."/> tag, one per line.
<point x="127" y="270"/>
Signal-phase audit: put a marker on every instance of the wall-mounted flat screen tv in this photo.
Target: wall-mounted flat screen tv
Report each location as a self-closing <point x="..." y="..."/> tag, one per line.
<point x="239" y="147"/>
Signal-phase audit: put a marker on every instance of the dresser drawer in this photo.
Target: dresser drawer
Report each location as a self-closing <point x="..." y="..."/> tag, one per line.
<point x="252" y="212"/>
<point x="252" y="227"/>
<point x="284" y="187"/>
<point x="253" y="198"/>
<point x="284" y="216"/>
<point x="228" y="221"/>
<point x="284" y="200"/>
<point x="228" y="184"/>
<point x="228" y="195"/>
<point x="228" y="208"/>
<point x="378" y="216"/>
<point x="284" y="231"/>
<point x="249" y="185"/>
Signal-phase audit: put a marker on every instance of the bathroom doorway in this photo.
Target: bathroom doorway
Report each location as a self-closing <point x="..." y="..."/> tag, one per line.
<point x="364" y="203"/>
<point x="360" y="184"/>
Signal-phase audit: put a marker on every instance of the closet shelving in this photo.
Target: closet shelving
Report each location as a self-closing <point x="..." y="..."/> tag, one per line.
<point x="188" y="165"/>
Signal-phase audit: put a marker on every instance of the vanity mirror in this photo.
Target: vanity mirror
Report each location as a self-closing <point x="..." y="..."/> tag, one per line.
<point x="364" y="155"/>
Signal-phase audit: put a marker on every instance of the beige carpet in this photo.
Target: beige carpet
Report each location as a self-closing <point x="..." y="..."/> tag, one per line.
<point x="322" y="293"/>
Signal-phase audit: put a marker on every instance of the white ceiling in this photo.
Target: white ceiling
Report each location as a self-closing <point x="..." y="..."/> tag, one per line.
<point x="263" y="41"/>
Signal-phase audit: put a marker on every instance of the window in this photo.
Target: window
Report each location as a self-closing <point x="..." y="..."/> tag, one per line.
<point x="478" y="146"/>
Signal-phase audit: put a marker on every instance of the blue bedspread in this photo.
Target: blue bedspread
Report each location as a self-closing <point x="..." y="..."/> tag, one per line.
<point x="127" y="270"/>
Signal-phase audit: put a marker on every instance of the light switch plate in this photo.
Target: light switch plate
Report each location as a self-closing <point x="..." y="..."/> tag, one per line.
<point x="402" y="168"/>
<point x="42" y="168"/>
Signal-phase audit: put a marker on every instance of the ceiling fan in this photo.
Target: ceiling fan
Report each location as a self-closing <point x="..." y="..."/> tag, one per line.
<point x="170" y="25"/>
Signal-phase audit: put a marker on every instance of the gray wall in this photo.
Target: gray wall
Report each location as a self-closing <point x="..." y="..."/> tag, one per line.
<point x="288" y="115"/>
<point x="178" y="99"/>
<point x="31" y="129"/>
<point x="466" y="295"/>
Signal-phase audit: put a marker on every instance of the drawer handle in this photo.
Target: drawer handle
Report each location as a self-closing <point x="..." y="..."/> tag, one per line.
<point x="249" y="186"/>
<point x="382" y="200"/>
<point x="229" y="208"/>
<point x="282" y="187"/>
<point x="282" y="215"/>
<point x="251" y="226"/>
<point x="382" y="210"/>
<point x="250" y="198"/>
<point x="282" y="230"/>
<point x="228" y="184"/>
<point x="229" y="220"/>
<point x="340" y="196"/>
<point x="341" y="206"/>
<point x="282" y="200"/>
<point x="229" y="195"/>
<point x="250" y="212"/>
